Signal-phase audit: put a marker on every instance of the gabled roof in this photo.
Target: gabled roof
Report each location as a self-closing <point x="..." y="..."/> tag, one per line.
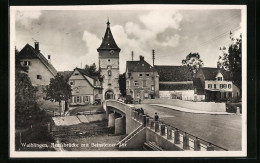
<point x="108" y="42"/>
<point x="28" y="52"/>
<point x="138" y="66"/>
<point x="210" y="73"/>
<point x="84" y="73"/>
<point x="173" y="73"/>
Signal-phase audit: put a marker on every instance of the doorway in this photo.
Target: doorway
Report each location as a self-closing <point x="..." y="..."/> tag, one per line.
<point x="109" y="95"/>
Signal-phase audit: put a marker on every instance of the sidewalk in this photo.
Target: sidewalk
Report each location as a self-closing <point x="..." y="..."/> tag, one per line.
<point x="190" y="110"/>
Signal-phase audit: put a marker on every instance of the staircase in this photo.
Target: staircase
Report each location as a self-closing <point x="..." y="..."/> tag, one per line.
<point x="151" y="146"/>
<point x="124" y="143"/>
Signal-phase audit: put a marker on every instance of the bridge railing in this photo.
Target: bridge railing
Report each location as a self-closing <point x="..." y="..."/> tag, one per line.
<point x="163" y="128"/>
<point x="116" y="104"/>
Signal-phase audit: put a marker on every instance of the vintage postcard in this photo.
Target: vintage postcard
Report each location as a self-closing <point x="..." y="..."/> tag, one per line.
<point x="128" y="81"/>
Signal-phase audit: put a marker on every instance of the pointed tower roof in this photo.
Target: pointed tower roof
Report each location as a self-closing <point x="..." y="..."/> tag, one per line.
<point x="108" y="42"/>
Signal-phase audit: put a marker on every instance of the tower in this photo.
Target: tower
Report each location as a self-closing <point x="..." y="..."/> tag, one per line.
<point x="109" y="65"/>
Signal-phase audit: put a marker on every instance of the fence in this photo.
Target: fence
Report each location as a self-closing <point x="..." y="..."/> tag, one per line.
<point x="180" y="137"/>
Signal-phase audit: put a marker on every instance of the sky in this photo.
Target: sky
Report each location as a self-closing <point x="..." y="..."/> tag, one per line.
<point x="72" y="37"/>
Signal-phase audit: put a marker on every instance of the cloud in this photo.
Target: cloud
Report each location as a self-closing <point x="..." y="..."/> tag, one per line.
<point x="92" y="43"/>
<point x="171" y="41"/>
<point x="158" y="21"/>
<point x="25" y="18"/>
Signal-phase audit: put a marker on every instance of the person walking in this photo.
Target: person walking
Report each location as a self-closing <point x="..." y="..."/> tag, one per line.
<point x="142" y="111"/>
<point x="156" y="117"/>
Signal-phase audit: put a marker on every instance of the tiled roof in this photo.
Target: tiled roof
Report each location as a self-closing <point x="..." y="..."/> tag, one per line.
<point x="173" y="73"/>
<point x="28" y="52"/>
<point x="108" y="41"/>
<point x="138" y="66"/>
<point x="84" y="72"/>
<point x="66" y="74"/>
<point x="198" y="85"/>
<point x="171" y="87"/>
<point x="210" y="73"/>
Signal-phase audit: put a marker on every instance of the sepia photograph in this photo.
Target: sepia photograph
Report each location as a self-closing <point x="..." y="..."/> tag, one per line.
<point x="128" y="81"/>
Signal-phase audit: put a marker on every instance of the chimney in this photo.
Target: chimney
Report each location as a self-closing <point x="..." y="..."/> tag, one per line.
<point x="141" y="58"/>
<point x="49" y="58"/>
<point x="36" y="44"/>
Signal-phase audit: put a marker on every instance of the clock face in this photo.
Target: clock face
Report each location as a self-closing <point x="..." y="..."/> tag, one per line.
<point x="111" y="51"/>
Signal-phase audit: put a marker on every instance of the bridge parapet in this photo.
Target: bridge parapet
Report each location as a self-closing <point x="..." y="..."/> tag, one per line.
<point x="116" y="104"/>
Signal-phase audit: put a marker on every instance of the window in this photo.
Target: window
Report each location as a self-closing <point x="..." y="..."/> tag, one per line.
<point x="221" y="86"/>
<point x="100" y="91"/>
<point x="109" y="72"/>
<point x="39" y="77"/>
<point x="76" y="74"/>
<point x="78" y="99"/>
<point x="144" y="83"/>
<point x="140" y="75"/>
<point x="71" y="82"/>
<point x="209" y="85"/>
<point x="229" y="85"/>
<point x="108" y="60"/>
<point x="27" y="63"/>
<point x="86" y="99"/>
<point x="215" y="86"/>
<point x="152" y="88"/>
<point x="219" y="78"/>
<point x="135" y="83"/>
<point x="147" y="75"/>
<point x="224" y="86"/>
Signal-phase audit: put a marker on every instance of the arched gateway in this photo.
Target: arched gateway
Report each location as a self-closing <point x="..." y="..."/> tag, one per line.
<point x="109" y="95"/>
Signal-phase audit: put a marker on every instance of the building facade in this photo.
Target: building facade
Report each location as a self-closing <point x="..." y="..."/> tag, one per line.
<point x="176" y="82"/>
<point x="109" y="65"/>
<point x="216" y="84"/>
<point x="85" y="89"/>
<point x="40" y="70"/>
<point x="142" y="82"/>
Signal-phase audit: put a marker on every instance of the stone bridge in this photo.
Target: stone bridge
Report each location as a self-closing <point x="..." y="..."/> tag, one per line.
<point x="143" y="132"/>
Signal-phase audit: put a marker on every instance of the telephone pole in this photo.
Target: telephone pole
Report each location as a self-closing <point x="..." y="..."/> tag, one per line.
<point x="153" y="73"/>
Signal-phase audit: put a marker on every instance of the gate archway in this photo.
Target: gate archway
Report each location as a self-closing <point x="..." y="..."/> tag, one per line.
<point x="109" y="95"/>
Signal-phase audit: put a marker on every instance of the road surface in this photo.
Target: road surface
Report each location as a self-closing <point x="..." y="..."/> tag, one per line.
<point x="222" y="130"/>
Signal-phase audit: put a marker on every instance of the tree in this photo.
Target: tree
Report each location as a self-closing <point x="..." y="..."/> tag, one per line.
<point x="122" y="84"/>
<point x="58" y="90"/>
<point x="27" y="111"/>
<point x="193" y="62"/>
<point x="92" y="70"/>
<point x="230" y="60"/>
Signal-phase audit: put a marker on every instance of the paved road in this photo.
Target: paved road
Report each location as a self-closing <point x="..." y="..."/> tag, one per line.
<point x="222" y="130"/>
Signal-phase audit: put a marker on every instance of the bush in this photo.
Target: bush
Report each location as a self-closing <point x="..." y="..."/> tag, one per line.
<point x="232" y="108"/>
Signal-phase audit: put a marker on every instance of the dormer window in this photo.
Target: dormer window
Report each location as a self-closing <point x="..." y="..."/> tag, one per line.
<point x="140" y="75"/>
<point x="220" y="79"/>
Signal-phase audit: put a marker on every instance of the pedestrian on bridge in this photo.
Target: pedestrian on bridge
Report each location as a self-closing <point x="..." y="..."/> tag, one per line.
<point x="156" y="117"/>
<point x="142" y="111"/>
